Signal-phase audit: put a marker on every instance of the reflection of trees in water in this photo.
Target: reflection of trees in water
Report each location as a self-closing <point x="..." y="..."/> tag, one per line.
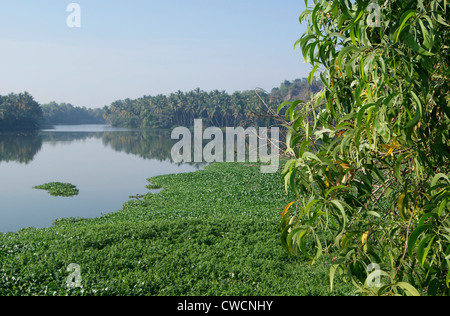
<point x="146" y="144"/>
<point x="58" y="138"/>
<point x="19" y="147"/>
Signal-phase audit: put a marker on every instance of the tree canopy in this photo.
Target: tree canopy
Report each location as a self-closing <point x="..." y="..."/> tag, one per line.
<point x="369" y="154"/>
<point x="19" y="111"/>
<point x="66" y="113"/>
<point x="216" y="108"/>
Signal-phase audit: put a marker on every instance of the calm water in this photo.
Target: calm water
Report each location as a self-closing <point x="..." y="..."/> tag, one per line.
<point x="106" y="164"/>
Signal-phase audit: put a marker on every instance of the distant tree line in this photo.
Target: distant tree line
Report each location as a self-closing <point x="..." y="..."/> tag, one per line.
<point x="19" y="112"/>
<point x="298" y="89"/>
<point x="66" y="113"/>
<point x="216" y="108"/>
<point x="22" y="112"/>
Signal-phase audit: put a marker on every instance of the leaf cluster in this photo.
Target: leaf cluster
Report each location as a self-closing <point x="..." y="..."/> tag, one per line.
<point x="369" y="153"/>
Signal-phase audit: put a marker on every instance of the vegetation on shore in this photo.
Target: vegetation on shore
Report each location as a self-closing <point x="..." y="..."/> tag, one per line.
<point x="67" y="114"/>
<point x="211" y="232"/>
<point x="216" y="108"/>
<point x="22" y="112"/>
<point x="19" y="112"/>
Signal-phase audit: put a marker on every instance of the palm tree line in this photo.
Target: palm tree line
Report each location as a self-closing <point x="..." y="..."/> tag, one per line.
<point x="215" y="108"/>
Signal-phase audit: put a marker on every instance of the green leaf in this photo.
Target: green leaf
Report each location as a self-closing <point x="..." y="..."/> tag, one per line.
<point x="389" y="99"/>
<point x="419" y="112"/>
<point x="424" y="247"/>
<point x="414" y="236"/>
<point x="428" y="41"/>
<point x="312" y="73"/>
<point x="355" y="20"/>
<point x="361" y="113"/>
<point x="292" y="108"/>
<point x="415" y="46"/>
<point x="442" y="206"/>
<point x="302" y="242"/>
<point x="290" y="239"/>
<point x="282" y="106"/>
<point x="447" y="279"/>
<point x="373" y="213"/>
<point x="311" y="156"/>
<point x="333" y="269"/>
<point x="424" y="218"/>
<point x="442" y="21"/>
<point x="283" y="238"/>
<point x="314" y="19"/>
<point x="382" y="126"/>
<point x="398" y="164"/>
<point x="345" y="51"/>
<point x="304" y="44"/>
<point x="411" y="290"/>
<point x="335" y="188"/>
<point x="339" y="206"/>
<point x="352" y="36"/>
<point x="405" y="17"/>
<point x="311" y="51"/>
<point x="438" y="177"/>
<point x="311" y="204"/>
<point x="319" y="249"/>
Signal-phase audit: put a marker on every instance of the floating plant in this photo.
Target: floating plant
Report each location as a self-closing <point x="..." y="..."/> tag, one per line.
<point x="59" y="189"/>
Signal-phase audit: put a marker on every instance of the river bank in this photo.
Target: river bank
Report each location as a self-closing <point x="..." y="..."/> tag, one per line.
<point x="211" y="232"/>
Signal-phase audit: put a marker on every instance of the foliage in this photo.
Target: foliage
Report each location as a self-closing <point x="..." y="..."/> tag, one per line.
<point x="65" y="113"/>
<point x="369" y="153"/>
<point x="19" y="112"/>
<point x="59" y="189"/>
<point x="211" y="232"/>
<point x="294" y="90"/>
<point x="216" y="108"/>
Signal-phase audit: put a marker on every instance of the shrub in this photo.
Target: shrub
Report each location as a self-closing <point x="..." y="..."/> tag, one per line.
<point x="369" y="153"/>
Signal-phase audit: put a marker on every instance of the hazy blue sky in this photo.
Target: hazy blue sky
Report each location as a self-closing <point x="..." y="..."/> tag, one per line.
<point x="127" y="49"/>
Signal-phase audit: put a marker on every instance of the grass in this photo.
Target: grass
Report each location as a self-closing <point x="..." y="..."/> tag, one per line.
<point x="214" y="232"/>
<point x="59" y="189"/>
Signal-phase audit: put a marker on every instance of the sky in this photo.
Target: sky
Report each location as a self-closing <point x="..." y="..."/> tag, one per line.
<point x="127" y="49"/>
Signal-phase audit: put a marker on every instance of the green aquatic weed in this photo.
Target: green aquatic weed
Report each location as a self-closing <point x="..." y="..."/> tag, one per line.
<point x="59" y="189"/>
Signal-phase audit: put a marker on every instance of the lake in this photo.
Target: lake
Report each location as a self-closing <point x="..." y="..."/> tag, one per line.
<point x="108" y="165"/>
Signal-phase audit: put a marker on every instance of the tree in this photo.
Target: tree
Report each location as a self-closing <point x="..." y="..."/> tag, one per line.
<point x="216" y="108"/>
<point x="369" y="153"/>
<point x="66" y="113"/>
<point x="19" y="111"/>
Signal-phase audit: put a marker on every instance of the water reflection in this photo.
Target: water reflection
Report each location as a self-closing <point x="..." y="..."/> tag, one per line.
<point x="19" y="147"/>
<point x="108" y="166"/>
<point x="146" y="144"/>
